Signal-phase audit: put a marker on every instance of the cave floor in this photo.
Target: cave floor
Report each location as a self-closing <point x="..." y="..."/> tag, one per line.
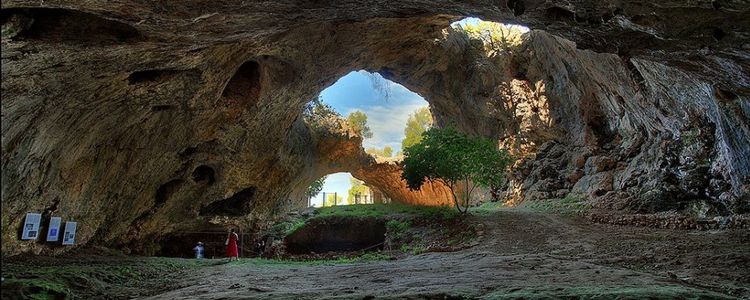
<point x="522" y="255"/>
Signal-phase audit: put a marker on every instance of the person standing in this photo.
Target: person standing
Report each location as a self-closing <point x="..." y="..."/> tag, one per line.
<point x="198" y="250"/>
<point x="231" y="244"/>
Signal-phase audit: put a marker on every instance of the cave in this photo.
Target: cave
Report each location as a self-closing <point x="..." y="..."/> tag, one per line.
<point x="144" y="120"/>
<point x="239" y="204"/>
<point x="61" y="25"/>
<point x="244" y="87"/>
<point x="205" y="174"/>
<point x="181" y="244"/>
<point x="165" y="191"/>
<point x="517" y="6"/>
<point x="337" y="235"/>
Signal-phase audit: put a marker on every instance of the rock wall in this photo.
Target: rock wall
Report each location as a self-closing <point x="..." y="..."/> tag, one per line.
<point x="637" y="134"/>
<point x="336" y="148"/>
<point x="138" y="119"/>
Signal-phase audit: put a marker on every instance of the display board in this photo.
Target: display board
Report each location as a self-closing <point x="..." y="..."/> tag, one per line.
<point x="31" y="226"/>
<point x="69" y="236"/>
<point x="53" y="233"/>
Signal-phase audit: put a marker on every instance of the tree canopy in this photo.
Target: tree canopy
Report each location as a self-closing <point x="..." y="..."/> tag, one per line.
<point x="329" y="201"/>
<point x="454" y="158"/>
<point x="417" y="124"/>
<point x="496" y="36"/>
<point x="358" y="187"/>
<point x="321" y="116"/>
<point x="387" y="151"/>
<point x="315" y="187"/>
<point x="358" y="121"/>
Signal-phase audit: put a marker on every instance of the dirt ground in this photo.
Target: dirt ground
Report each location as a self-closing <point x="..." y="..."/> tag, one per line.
<point x="521" y="255"/>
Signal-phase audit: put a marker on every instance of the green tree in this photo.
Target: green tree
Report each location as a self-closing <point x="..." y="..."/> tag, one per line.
<point x="358" y="187"/>
<point x="417" y="124"/>
<point x="495" y="36"/>
<point x="321" y="116"/>
<point x="358" y="121"/>
<point x="454" y="158"/>
<point x="330" y="199"/>
<point x="387" y="151"/>
<point x="315" y="187"/>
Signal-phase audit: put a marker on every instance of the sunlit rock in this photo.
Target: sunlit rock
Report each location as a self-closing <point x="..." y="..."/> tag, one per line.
<point x="112" y="112"/>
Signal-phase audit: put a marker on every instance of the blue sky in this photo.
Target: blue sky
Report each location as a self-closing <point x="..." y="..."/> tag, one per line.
<point x="475" y="21"/>
<point x="385" y="117"/>
<point x="472" y="21"/>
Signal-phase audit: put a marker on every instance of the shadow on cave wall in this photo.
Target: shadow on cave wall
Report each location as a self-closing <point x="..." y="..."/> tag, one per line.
<point x="240" y="204"/>
<point x="65" y="26"/>
<point x="181" y="244"/>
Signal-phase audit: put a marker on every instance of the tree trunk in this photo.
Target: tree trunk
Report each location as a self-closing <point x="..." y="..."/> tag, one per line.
<point x="467" y="194"/>
<point x="455" y="199"/>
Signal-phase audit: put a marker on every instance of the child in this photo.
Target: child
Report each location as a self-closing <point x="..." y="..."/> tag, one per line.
<point x="198" y="250"/>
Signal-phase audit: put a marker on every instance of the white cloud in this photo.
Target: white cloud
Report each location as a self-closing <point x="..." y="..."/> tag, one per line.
<point x="387" y="123"/>
<point x="385" y="117"/>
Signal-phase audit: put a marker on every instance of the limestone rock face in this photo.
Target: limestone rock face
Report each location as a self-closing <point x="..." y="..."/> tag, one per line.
<point x="336" y="148"/>
<point x="385" y="176"/>
<point x="142" y="118"/>
<point x="649" y="135"/>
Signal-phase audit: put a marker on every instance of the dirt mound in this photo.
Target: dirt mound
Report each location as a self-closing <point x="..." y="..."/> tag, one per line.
<point x="337" y="234"/>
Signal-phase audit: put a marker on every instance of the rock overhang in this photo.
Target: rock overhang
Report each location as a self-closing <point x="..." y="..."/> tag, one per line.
<point x="163" y="97"/>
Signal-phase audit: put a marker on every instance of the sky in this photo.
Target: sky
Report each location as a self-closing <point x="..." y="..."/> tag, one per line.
<point x="475" y="21"/>
<point x="386" y="116"/>
<point x="472" y="21"/>
<point x="339" y="183"/>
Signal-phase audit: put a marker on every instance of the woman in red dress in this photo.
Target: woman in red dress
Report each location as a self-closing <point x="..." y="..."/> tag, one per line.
<point x="232" y="245"/>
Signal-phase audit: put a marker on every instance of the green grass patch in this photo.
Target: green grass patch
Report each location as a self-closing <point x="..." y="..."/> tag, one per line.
<point x="37" y="289"/>
<point x="396" y="228"/>
<point x="392" y="209"/>
<point x="288" y="227"/>
<point x="413" y="249"/>
<point x="91" y="278"/>
<point x="487" y="208"/>
<point x="418" y="227"/>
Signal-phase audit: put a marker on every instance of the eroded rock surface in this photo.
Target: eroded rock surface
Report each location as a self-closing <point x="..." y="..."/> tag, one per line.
<point x="138" y="119"/>
<point x="334" y="148"/>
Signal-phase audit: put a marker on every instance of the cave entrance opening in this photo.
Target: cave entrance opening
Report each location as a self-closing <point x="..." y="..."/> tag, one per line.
<point x="376" y="108"/>
<point x="384" y="115"/>
<point x="182" y="243"/>
<point x="387" y="116"/>
<point x="341" y="189"/>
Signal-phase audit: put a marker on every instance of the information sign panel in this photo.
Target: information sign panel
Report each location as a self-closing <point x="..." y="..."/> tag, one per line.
<point x="31" y="226"/>
<point x="53" y="233"/>
<point x="69" y="236"/>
